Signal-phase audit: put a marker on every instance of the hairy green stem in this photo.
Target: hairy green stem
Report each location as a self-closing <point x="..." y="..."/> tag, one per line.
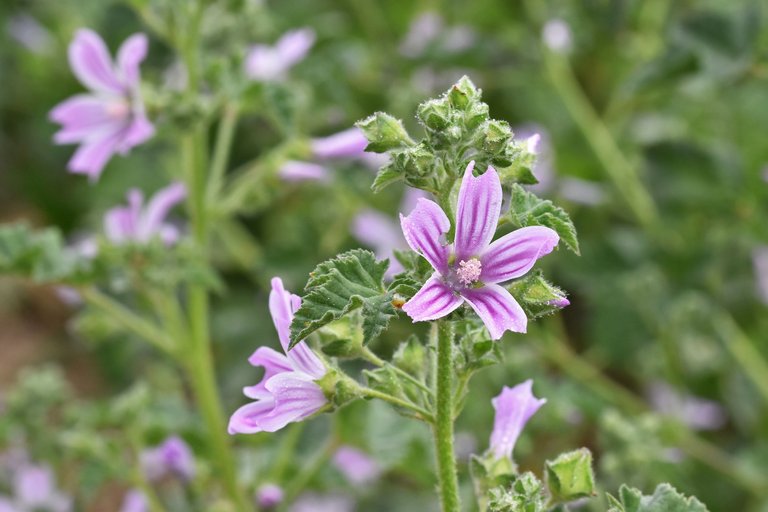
<point x="372" y="358"/>
<point x="744" y="352"/>
<point x="443" y="425"/>
<point x="221" y="150"/>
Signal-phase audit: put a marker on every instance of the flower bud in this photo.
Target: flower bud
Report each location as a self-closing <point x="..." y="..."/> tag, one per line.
<point x="496" y="135"/>
<point x="434" y="114"/>
<point x="463" y="93"/>
<point x="383" y="132"/>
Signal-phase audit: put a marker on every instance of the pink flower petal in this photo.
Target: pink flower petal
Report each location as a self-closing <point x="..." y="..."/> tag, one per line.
<point x="131" y="53"/>
<point x="296" y="398"/>
<point x="434" y="300"/>
<point x="282" y="306"/>
<point x="91" y="63"/>
<point x="138" y="131"/>
<point x="94" y="153"/>
<point x="477" y="212"/>
<point x="515" y="254"/>
<point x="247" y="419"/>
<point x="424" y="229"/>
<point x="293" y="46"/>
<point x="157" y="210"/>
<point x="273" y="363"/>
<point x="350" y="143"/>
<point x="498" y="310"/>
<point x="80" y="115"/>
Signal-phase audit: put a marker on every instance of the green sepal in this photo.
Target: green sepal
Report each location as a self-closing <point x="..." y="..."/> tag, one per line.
<point x="526" y="209"/>
<point x="570" y="476"/>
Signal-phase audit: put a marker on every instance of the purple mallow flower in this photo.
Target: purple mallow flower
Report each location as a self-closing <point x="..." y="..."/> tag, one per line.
<point x="287" y="393"/>
<point x="270" y="63"/>
<point x="172" y="457"/>
<point x="697" y="413"/>
<point x="311" y="502"/>
<point x="357" y="466"/>
<point x="350" y="143"/>
<point x="469" y="269"/>
<point x="34" y="488"/>
<point x="136" y="223"/>
<point x="514" y="407"/>
<point x="269" y="496"/>
<point x="111" y="118"/>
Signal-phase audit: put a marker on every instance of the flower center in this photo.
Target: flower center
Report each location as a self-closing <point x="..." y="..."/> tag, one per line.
<point x="118" y="109"/>
<point x="469" y="271"/>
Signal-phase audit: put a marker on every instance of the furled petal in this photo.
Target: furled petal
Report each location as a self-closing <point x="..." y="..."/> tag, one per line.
<point x="282" y="306"/>
<point x="293" y="46"/>
<point x="350" y="143"/>
<point x="434" y="300"/>
<point x="246" y="419"/>
<point x="424" y="229"/>
<point x="91" y="63"/>
<point x="273" y="362"/>
<point x="514" y="407"/>
<point x="514" y="254"/>
<point x="157" y="209"/>
<point x="93" y="154"/>
<point x="131" y="53"/>
<point x="498" y="310"/>
<point x="296" y="397"/>
<point x="477" y="212"/>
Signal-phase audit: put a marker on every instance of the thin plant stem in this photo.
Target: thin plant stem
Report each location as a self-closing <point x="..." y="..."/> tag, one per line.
<point x="128" y="319"/>
<point x="372" y="358"/>
<point x="420" y="412"/>
<point x="198" y="356"/>
<point x="222" y="150"/>
<point x="744" y="352"/>
<point x="618" y="169"/>
<point x="443" y="425"/>
<point x="310" y="469"/>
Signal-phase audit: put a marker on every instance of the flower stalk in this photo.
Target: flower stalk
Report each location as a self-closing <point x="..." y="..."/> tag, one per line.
<point x="443" y="425"/>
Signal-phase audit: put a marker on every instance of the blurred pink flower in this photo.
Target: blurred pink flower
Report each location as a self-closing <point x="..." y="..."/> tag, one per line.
<point x="172" y="457"/>
<point x="311" y="502"/>
<point x="696" y="413"/>
<point x="270" y="63"/>
<point x="34" y="488"/>
<point x="137" y="223"/>
<point x="111" y="119"/>
<point x="294" y="170"/>
<point x="134" y="501"/>
<point x="269" y="496"/>
<point x="357" y="466"/>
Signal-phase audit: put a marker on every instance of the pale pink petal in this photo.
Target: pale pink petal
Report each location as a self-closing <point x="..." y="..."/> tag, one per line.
<point x="282" y="305"/>
<point x="157" y="210"/>
<point x="94" y="153"/>
<point x="477" y="212"/>
<point x="246" y="420"/>
<point x="119" y="224"/>
<point x="434" y="300"/>
<point x="515" y="254"/>
<point x="273" y="363"/>
<point x="263" y="63"/>
<point x="498" y="310"/>
<point x="80" y="115"/>
<point x="293" y="46"/>
<point x="296" y="398"/>
<point x="91" y="63"/>
<point x="424" y="230"/>
<point x="137" y="132"/>
<point x="131" y="53"/>
<point x="350" y="143"/>
<point x="294" y="170"/>
<point x="514" y="407"/>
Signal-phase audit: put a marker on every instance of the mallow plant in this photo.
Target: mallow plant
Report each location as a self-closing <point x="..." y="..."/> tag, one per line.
<point x="468" y="281"/>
